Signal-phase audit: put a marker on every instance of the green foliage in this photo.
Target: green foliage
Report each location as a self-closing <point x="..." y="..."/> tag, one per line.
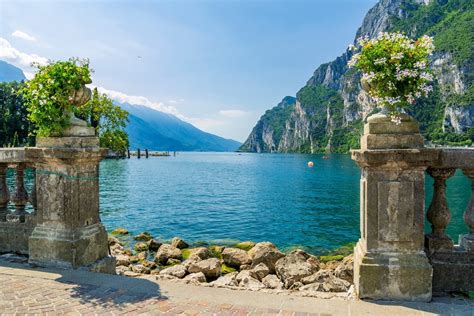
<point x="331" y="258"/>
<point x="48" y="94"/>
<point x="14" y="124"/>
<point x="186" y="253"/>
<point x="109" y="121"/>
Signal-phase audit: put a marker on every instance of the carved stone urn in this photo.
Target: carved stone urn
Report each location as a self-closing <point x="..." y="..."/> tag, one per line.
<point x="77" y="126"/>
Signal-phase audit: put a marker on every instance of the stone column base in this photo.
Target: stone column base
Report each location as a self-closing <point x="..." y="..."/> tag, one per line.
<point x="467" y="242"/>
<point x="66" y="248"/>
<point x="435" y="243"/>
<point x="392" y="275"/>
<point x="453" y="271"/>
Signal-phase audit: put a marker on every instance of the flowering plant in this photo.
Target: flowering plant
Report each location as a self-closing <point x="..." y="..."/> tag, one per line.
<point x="50" y="95"/>
<point x="394" y="69"/>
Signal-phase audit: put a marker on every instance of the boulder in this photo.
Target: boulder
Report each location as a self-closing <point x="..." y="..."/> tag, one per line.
<point x="165" y="252"/>
<point x="319" y="276"/>
<point x="120" y="231"/>
<point x="245" y="274"/>
<point x="120" y="270"/>
<point x="134" y="259"/>
<point x="295" y="267"/>
<point x="172" y="262"/>
<point x="271" y="281"/>
<point x="210" y="267"/>
<point x="140" y="246"/>
<point x="251" y="283"/>
<point x="141" y="256"/>
<point x="122" y="260"/>
<point x="179" y="243"/>
<point x="235" y="257"/>
<point x="267" y="253"/>
<point x="195" y="278"/>
<point x="113" y="241"/>
<point x="216" y="249"/>
<point x="245" y="245"/>
<point x="261" y="271"/>
<point x="141" y="269"/>
<point x="226" y="280"/>
<point x="178" y="271"/>
<point x="245" y="267"/>
<point x="145" y="236"/>
<point x="201" y="252"/>
<point x="345" y="270"/>
<point x="153" y="244"/>
<point x="149" y="264"/>
<point x="334" y="284"/>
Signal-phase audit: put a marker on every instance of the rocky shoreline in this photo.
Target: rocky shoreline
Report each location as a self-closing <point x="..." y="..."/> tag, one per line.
<point x="246" y="265"/>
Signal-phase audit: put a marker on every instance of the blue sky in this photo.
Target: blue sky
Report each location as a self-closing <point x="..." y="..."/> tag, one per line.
<point x="216" y="64"/>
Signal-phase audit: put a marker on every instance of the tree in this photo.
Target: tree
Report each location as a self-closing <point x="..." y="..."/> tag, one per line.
<point x="109" y="121"/>
<point x="14" y="124"/>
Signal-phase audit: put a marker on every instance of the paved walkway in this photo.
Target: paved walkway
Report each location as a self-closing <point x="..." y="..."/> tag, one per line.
<point x="26" y="290"/>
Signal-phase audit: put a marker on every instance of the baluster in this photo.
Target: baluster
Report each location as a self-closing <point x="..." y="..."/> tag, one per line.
<point x="439" y="214"/>
<point x="20" y="196"/>
<point x="467" y="241"/>
<point x="4" y="196"/>
<point x="32" y="198"/>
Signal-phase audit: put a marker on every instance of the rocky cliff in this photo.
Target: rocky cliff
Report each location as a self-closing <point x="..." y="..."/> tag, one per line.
<point x="328" y="113"/>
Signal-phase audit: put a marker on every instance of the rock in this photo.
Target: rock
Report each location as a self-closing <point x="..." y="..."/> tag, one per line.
<point x="235" y="257"/>
<point x="226" y="280"/>
<point x="201" y="252"/>
<point x="131" y="274"/>
<point x="178" y="271"/>
<point x="332" y="265"/>
<point x="153" y="244"/>
<point x="138" y="268"/>
<point x="267" y="253"/>
<point x="140" y="246"/>
<point x="120" y="231"/>
<point x="149" y="264"/>
<point x="127" y="251"/>
<point x="116" y="249"/>
<point x="210" y="267"/>
<point x="195" y="277"/>
<point x="166" y="277"/>
<point x="165" y="252"/>
<point x="122" y="260"/>
<point x="251" y="283"/>
<point x="245" y="245"/>
<point x="155" y="272"/>
<point x="134" y="259"/>
<point x="172" y="262"/>
<point x="313" y="287"/>
<point x="120" y="270"/>
<point x="295" y="267"/>
<point x="334" y="284"/>
<point x="113" y="241"/>
<point x="345" y="270"/>
<point x="179" y="243"/>
<point x="319" y="276"/>
<point x="145" y="236"/>
<point x="216" y="249"/>
<point x="261" y="270"/>
<point x="271" y="281"/>
<point x="295" y="286"/>
<point x="245" y="274"/>
<point x="141" y="256"/>
<point x="245" y="267"/>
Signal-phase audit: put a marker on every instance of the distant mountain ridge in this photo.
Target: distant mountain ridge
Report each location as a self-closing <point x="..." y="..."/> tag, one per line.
<point x="151" y="129"/>
<point x="330" y="109"/>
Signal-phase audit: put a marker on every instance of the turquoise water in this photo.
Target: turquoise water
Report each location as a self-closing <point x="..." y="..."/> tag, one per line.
<point x="227" y="197"/>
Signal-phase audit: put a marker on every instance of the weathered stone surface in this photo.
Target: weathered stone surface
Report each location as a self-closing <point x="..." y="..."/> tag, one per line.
<point x="145" y="236"/>
<point x="178" y="271"/>
<point x="201" y="253"/>
<point x="245" y="245"/>
<point x="165" y="252"/>
<point x="345" y="270"/>
<point x="245" y="267"/>
<point x="267" y="253"/>
<point x="261" y="271"/>
<point x="120" y="270"/>
<point x="140" y="246"/>
<point x="235" y="257"/>
<point x="251" y="283"/>
<point x="172" y="261"/>
<point x="210" y="267"/>
<point x="228" y="279"/>
<point x="122" y="260"/>
<point x="245" y="274"/>
<point x="195" y="277"/>
<point x="179" y="243"/>
<point x="120" y="231"/>
<point x="452" y="271"/>
<point x="154" y="245"/>
<point x="271" y="281"/>
<point x="138" y="268"/>
<point x="294" y="267"/>
<point x="149" y="264"/>
<point x="334" y="284"/>
<point x="141" y="255"/>
<point x="318" y="277"/>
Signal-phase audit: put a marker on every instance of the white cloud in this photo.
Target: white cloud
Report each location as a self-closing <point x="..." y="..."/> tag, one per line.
<point x="233" y="113"/>
<point x="23" y="35"/>
<point x="7" y="51"/>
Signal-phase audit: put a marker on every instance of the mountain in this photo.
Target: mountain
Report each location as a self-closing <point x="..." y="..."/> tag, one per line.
<point x="329" y="110"/>
<point x="155" y="130"/>
<point x="9" y="73"/>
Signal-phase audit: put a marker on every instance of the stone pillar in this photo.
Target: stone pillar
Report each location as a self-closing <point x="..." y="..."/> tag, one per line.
<point x="389" y="259"/>
<point x="20" y="197"/>
<point x="69" y="232"/>
<point x="4" y="195"/>
<point x="467" y="241"/>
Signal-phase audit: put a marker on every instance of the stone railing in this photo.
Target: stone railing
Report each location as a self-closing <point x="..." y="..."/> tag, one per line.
<point x="453" y="265"/>
<point x="16" y="224"/>
<point x="394" y="259"/>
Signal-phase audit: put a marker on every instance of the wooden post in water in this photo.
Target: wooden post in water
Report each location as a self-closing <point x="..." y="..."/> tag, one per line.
<point x="138" y="153"/>
<point x="146" y="153"/>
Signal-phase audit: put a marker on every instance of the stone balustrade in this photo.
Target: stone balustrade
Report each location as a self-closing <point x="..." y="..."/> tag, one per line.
<point x="16" y="223"/>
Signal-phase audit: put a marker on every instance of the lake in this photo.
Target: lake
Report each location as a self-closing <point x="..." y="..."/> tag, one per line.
<point x="223" y="198"/>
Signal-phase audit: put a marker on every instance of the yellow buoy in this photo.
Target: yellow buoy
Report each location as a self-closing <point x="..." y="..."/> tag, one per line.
<point x="310" y="164"/>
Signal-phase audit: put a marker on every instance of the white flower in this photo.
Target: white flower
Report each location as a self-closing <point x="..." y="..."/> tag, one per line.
<point x="369" y="76"/>
<point x="420" y="65"/>
<point x="351" y="47"/>
<point x="410" y="98"/>
<point x="426" y="75"/>
<point x="353" y="61"/>
<point x="397" y="56"/>
<point x="396" y="119"/>
<point x="380" y="61"/>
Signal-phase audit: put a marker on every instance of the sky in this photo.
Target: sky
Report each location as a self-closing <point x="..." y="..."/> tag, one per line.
<point x="217" y="64"/>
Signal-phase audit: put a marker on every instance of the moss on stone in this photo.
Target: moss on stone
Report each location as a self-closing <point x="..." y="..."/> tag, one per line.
<point x="344" y="250"/>
<point x="216" y="251"/>
<point x="120" y="231"/>
<point x="245" y="245"/>
<point x="186" y="253"/>
<point x="226" y="269"/>
<point x="140" y="246"/>
<point x="331" y="258"/>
